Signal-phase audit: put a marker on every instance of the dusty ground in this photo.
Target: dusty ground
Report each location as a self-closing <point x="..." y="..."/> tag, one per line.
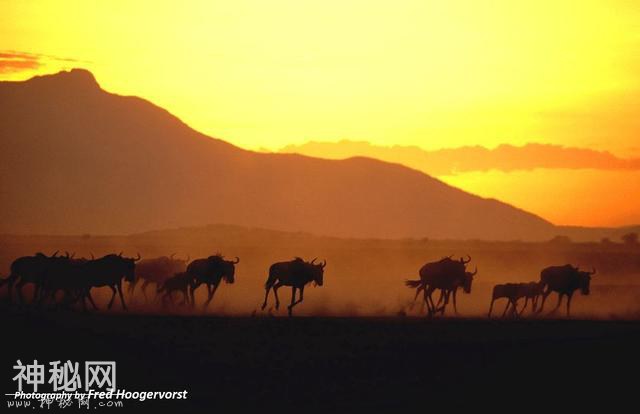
<point x="338" y="364"/>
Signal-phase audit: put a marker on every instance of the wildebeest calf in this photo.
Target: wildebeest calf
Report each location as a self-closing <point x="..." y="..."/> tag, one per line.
<point x="513" y="292"/>
<point x="180" y="282"/>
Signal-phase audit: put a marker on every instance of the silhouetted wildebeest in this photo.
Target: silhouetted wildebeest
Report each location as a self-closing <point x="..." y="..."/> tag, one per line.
<point x="180" y="282"/>
<point x="447" y="275"/>
<point x="156" y="270"/>
<point x="565" y="280"/>
<point x="295" y="273"/>
<point x="513" y="292"/>
<point x="533" y="293"/>
<point x="211" y="271"/>
<point x="69" y="275"/>
<point x="109" y="271"/>
<point x="25" y="270"/>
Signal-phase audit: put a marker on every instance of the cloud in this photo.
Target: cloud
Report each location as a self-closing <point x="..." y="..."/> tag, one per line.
<point x="450" y="161"/>
<point x="17" y="62"/>
<point x="12" y="61"/>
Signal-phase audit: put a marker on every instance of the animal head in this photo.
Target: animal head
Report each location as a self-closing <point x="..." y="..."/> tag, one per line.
<point x="584" y="280"/>
<point x="317" y="271"/>
<point x="129" y="265"/>
<point x="468" y="280"/>
<point x="228" y="268"/>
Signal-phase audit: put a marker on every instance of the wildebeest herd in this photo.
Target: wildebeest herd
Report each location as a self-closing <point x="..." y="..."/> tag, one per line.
<point x="76" y="277"/>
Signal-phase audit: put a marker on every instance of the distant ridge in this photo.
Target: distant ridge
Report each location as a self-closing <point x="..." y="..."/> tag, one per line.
<point x="75" y="159"/>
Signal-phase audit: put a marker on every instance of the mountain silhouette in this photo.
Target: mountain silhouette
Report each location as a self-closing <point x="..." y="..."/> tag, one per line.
<point x="447" y="161"/>
<point x="75" y="159"/>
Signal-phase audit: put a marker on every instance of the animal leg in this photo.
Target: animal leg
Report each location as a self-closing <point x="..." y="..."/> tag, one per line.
<point x="266" y="296"/>
<point x="514" y="308"/>
<point x="560" y="295"/>
<point x="195" y="285"/>
<point x="569" y="304"/>
<point x="275" y="292"/>
<point x="526" y="301"/>
<point x="455" y="305"/>
<point x="113" y="296"/>
<point x="544" y="299"/>
<point x="491" y="307"/>
<point x="506" y="308"/>
<point x="132" y="286"/>
<point x="447" y="294"/>
<point x="19" y="286"/>
<point x="418" y="289"/>
<point x="293" y="299"/>
<point x="144" y="290"/>
<point x="88" y="293"/>
<point x="429" y="301"/>
<point x="119" y="287"/>
<point x="212" y="291"/>
<point x="36" y="292"/>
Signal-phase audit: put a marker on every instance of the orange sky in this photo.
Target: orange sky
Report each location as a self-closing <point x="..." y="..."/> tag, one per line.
<point x="431" y="74"/>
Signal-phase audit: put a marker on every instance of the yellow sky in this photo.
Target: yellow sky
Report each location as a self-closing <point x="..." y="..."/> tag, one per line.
<point x="270" y="73"/>
<point x="264" y="74"/>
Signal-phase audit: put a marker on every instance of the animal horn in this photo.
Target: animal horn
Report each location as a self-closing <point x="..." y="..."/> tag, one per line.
<point x="465" y="261"/>
<point x="120" y="254"/>
<point x="314" y="259"/>
<point x="593" y="271"/>
<point x="474" y="272"/>
<point x="66" y="253"/>
<point x="172" y="254"/>
<point x="137" y="258"/>
<point x="55" y="254"/>
<point x="323" y="264"/>
<point x="236" y="261"/>
<point x="93" y="257"/>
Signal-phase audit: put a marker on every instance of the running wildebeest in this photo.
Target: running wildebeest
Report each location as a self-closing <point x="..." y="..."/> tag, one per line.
<point x="156" y="270"/>
<point x="513" y="292"/>
<point x="25" y="270"/>
<point x="180" y="282"/>
<point x="295" y="273"/>
<point x="447" y="275"/>
<point x="211" y="271"/>
<point x="564" y="280"/>
<point x="109" y="271"/>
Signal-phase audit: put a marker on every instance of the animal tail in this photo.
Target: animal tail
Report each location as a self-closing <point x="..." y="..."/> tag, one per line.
<point x="413" y="283"/>
<point x="271" y="280"/>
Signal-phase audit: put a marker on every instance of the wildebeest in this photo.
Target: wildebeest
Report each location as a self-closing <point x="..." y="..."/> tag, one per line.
<point x="109" y="271"/>
<point x="156" y="270"/>
<point x="211" y="271"/>
<point x="447" y="275"/>
<point x="565" y="280"/>
<point x="27" y="270"/>
<point x="66" y="274"/>
<point x="180" y="282"/>
<point x="513" y="292"/>
<point x="295" y="273"/>
<point x="533" y="293"/>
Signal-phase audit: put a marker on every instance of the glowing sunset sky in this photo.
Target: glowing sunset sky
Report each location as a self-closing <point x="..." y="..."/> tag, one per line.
<point x="265" y="74"/>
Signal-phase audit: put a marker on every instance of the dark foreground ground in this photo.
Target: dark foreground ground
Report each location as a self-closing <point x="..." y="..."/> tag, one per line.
<point x="339" y="364"/>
